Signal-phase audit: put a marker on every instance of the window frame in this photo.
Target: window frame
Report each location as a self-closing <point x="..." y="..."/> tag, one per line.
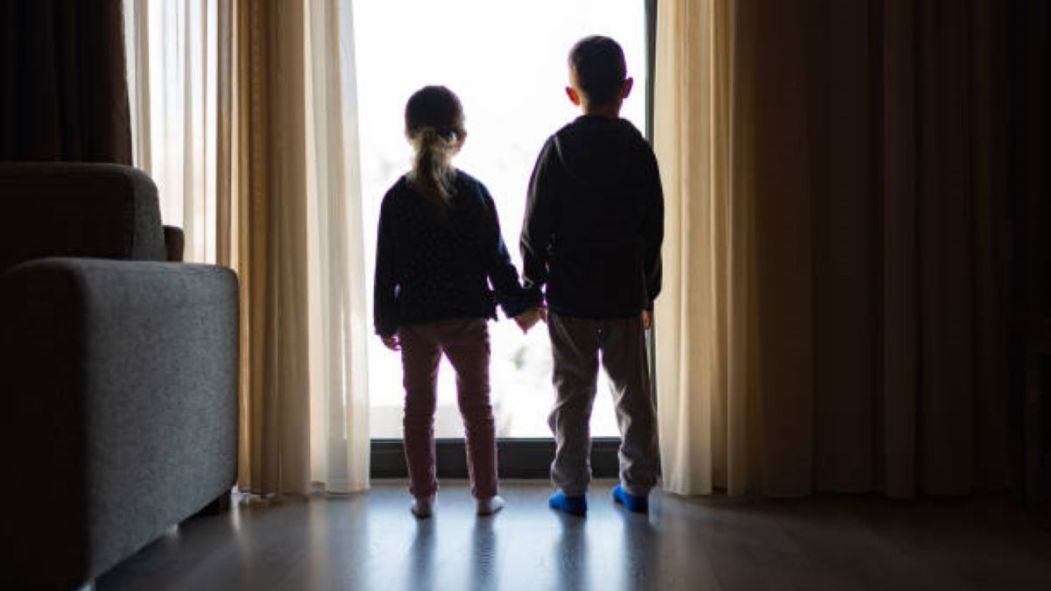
<point x="522" y="457"/>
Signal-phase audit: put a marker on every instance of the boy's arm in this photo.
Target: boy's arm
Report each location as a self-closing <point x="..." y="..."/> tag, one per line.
<point x="653" y="226"/>
<point x="538" y="226"/>
<point x="385" y="305"/>
<point x="502" y="272"/>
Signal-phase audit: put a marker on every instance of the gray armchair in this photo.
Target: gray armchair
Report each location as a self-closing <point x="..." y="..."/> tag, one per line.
<point x="118" y="374"/>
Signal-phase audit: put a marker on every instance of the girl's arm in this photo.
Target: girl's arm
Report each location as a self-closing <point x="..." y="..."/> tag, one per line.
<point x="385" y="301"/>
<point x="502" y="272"/>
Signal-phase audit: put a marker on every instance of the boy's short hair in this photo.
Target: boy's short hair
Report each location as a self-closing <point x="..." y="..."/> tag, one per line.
<point x="600" y="67"/>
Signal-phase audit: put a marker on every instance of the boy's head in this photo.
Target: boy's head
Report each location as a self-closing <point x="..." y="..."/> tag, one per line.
<point x="598" y="75"/>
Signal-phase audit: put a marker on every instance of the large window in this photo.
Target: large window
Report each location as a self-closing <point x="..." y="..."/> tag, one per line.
<point x="507" y="62"/>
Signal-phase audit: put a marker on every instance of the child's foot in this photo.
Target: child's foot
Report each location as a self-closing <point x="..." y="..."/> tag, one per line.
<point x="490" y="505"/>
<point x="631" y="502"/>
<point x="573" y="505"/>
<point x="423" y="507"/>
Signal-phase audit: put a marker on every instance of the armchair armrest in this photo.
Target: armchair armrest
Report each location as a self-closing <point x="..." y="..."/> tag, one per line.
<point x="174" y="243"/>
<point x="118" y="408"/>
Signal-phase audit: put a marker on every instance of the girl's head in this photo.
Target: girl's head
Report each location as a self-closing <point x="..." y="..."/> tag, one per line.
<point x="434" y="125"/>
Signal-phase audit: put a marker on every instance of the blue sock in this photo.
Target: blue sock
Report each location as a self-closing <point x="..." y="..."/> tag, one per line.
<point x="573" y="505"/>
<point x="631" y="502"/>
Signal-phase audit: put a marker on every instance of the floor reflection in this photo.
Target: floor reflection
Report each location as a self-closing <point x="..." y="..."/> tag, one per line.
<point x="571" y="554"/>
<point x="486" y="553"/>
<point x="639" y="552"/>
<point x="421" y="576"/>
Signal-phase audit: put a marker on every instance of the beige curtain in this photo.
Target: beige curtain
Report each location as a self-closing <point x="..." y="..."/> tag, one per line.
<point x="833" y="313"/>
<point x="275" y="153"/>
<point x="299" y="251"/>
<point x="705" y="355"/>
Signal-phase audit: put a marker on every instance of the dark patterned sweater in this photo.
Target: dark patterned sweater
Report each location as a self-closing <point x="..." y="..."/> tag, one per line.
<point x="594" y="221"/>
<point x="436" y="263"/>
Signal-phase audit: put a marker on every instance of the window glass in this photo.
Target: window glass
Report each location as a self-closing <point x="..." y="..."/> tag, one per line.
<point x="507" y="62"/>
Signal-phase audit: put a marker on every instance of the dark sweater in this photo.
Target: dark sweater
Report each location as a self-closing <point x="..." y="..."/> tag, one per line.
<point x="435" y="263"/>
<point x="595" y="221"/>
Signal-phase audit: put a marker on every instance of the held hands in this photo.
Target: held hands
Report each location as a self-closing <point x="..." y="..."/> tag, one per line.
<point x="528" y="319"/>
<point x="391" y="342"/>
<point x="525" y="321"/>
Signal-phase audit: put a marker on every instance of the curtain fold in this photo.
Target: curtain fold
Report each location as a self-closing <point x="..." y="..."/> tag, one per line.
<point x="272" y="236"/>
<point x="705" y="351"/>
<point x="305" y="398"/>
<point x="834" y="313"/>
<point x="339" y="403"/>
<point x="262" y="96"/>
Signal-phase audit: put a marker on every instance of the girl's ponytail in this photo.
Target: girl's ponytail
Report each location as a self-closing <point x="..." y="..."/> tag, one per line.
<point x="434" y="125"/>
<point x="432" y="170"/>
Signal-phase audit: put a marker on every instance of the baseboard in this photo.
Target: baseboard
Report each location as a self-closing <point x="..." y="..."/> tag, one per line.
<point x="517" y="458"/>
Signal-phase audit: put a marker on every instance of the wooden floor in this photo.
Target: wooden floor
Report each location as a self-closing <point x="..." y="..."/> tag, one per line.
<point x="370" y="541"/>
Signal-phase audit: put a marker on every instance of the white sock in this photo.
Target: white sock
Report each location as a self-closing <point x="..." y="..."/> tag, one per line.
<point x="490" y="505"/>
<point x="423" y="507"/>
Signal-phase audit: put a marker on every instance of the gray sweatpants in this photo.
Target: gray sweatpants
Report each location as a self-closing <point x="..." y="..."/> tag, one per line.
<point x="577" y="344"/>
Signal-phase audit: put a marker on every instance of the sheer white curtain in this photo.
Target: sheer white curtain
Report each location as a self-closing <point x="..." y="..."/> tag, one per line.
<point x="259" y="166"/>
<point x="172" y="79"/>
<point x="339" y="321"/>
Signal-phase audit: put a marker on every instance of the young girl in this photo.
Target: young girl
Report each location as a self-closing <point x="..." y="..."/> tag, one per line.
<point x="439" y="249"/>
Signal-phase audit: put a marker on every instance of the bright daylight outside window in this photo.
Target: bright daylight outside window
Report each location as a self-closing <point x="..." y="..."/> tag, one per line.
<point x="507" y="62"/>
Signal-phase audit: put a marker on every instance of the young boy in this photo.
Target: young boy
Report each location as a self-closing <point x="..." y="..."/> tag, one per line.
<point x="592" y="235"/>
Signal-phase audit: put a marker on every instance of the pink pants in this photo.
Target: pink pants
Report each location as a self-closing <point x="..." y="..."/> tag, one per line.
<point x="466" y="343"/>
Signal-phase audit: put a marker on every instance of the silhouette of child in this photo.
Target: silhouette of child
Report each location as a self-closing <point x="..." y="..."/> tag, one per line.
<point x="592" y="236"/>
<point x="439" y="247"/>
